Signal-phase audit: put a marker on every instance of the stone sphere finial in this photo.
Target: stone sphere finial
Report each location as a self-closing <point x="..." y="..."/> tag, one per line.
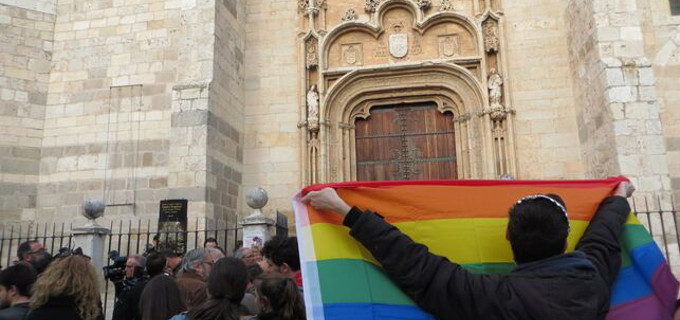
<point x="93" y="208"/>
<point x="256" y="198"/>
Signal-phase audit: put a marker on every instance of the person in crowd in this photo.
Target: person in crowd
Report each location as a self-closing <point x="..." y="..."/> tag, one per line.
<point x="153" y="246"/>
<point x="27" y="249"/>
<point x="248" y="255"/>
<point x="67" y="290"/>
<point x="254" y="272"/>
<point x="40" y="261"/>
<point x="547" y="283"/>
<point x="15" y="291"/>
<point x="128" y="291"/>
<point x="210" y="243"/>
<point x="161" y="299"/>
<point x="173" y="262"/>
<point x="281" y="255"/>
<point x="155" y="264"/>
<point x="196" y="267"/>
<point x="226" y="287"/>
<point x="279" y="298"/>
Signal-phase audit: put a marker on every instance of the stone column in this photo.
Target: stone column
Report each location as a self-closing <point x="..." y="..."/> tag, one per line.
<point x="90" y="238"/>
<point x="256" y="227"/>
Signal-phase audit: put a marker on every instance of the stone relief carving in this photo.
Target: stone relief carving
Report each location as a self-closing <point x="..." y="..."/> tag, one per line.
<point x="313" y="108"/>
<point x="312" y="56"/>
<point x="449" y="45"/>
<point x="490" y="30"/>
<point x="398" y="41"/>
<point x="424" y="4"/>
<point x="303" y="5"/>
<point x="446" y="5"/>
<point x="351" y="54"/>
<point x="371" y="5"/>
<point x="350" y="15"/>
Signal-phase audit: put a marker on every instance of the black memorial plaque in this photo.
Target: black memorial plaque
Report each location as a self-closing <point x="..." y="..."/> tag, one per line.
<point x="172" y="225"/>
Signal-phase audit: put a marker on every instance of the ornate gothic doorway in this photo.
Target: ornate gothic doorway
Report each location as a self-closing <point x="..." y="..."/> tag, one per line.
<point x="406" y="142"/>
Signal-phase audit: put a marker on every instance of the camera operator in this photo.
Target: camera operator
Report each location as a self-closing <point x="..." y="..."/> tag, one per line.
<point x="129" y="289"/>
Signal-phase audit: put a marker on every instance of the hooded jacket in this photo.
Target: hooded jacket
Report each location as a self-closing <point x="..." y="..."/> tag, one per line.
<point x="569" y="286"/>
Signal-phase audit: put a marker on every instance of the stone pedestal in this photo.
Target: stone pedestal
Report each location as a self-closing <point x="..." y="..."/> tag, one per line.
<point x="90" y="238"/>
<point x="256" y="230"/>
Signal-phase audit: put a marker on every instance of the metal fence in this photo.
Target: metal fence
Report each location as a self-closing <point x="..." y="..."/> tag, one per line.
<point x="133" y="237"/>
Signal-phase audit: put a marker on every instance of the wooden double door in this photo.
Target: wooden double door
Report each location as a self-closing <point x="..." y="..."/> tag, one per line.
<point x="406" y="142"/>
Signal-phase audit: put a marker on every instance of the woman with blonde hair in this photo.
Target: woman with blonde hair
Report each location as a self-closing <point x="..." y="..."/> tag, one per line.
<point x="67" y="290"/>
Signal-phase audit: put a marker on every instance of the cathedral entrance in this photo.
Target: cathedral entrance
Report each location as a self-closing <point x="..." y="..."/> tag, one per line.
<point x="406" y="142"/>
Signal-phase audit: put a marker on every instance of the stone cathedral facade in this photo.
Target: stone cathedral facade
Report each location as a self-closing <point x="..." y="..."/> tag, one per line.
<point x="137" y="101"/>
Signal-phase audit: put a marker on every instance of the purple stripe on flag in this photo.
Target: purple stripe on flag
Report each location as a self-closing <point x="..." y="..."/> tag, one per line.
<point x="665" y="287"/>
<point x="648" y="308"/>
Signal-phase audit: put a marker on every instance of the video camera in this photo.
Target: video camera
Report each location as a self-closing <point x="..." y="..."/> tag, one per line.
<point x="115" y="272"/>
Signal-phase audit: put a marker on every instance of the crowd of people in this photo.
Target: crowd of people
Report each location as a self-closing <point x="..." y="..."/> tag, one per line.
<point x="202" y="284"/>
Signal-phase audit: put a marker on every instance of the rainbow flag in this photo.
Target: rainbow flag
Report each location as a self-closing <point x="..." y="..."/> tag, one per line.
<point x="465" y="221"/>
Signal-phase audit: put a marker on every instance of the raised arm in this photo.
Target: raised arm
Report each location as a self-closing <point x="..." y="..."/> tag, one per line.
<point x="601" y="242"/>
<point x="437" y="285"/>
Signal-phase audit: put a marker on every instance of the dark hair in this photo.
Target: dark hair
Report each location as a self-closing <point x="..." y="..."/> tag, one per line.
<point x="227" y="286"/>
<point x="21" y="275"/>
<point x="24" y="248"/>
<point x="283" y="250"/>
<point x="254" y="271"/>
<point x="40" y="261"/>
<point x="537" y="229"/>
<point x="282" y="296"/>
<point x="161" y="299"/>
<point x="209" y="240"/>
<point x="155" y="264"/>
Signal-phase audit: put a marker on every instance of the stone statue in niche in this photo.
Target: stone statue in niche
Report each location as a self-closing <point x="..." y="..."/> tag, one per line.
<point x="350" y="15"/>
<point x="313" y="103"/>
<point x="313" y="109"/>
<point x="312" y="58"/>
<point x="495" y="82"/>
<point x="490" y="30"/>
<point x="371" y="5"/>
<point x="446" y="5"/>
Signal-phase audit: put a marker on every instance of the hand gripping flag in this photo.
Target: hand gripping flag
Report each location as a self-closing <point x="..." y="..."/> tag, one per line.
<point x="465" y="221"/>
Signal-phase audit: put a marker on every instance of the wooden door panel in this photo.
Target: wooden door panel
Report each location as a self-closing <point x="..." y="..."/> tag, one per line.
<point x="406" y="142"/>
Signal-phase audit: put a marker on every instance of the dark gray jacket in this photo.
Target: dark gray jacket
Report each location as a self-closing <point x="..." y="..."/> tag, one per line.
<point x="570" y="286"/>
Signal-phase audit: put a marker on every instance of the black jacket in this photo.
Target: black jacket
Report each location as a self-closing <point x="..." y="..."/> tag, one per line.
<point x="15" y="312"/>
<point x="570" y="286"/>
<point x="63" y="308"/>
<point x="126" y="306"/>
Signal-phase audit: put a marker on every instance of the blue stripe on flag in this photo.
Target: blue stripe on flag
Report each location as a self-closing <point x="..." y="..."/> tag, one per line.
<point x="629" y="285"/>
<point x="368" y="311"/>
<point x="647" y="258"/>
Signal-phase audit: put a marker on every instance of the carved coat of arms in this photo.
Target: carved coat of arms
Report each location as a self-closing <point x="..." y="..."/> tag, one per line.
<point x="398" y="45"/>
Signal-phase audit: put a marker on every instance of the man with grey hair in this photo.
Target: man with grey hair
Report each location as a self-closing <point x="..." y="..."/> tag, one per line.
<point x="129" y="291"/>
<point x="196" y="267"/>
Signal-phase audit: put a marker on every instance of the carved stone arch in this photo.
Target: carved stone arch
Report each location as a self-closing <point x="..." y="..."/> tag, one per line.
<point x="388" y="5"/>
<point x="452" y="87"/>
<point x="450" y="16"/>
<point x="343" y="28"/>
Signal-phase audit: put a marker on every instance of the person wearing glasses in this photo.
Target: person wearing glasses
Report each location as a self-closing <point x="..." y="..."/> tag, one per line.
<point x="129" y="291"/>
<point x="547" y="282"/>
<point x="196" y="267"/>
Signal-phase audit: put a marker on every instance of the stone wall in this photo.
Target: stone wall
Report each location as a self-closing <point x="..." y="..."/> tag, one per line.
<point x="618" y="113"/>
<point x="661" y="35"/>
<point x="541" y="90"/>
<point x="272" y="102"/>
<point x="26" y="34"/>
<point x="111" y="123"/>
